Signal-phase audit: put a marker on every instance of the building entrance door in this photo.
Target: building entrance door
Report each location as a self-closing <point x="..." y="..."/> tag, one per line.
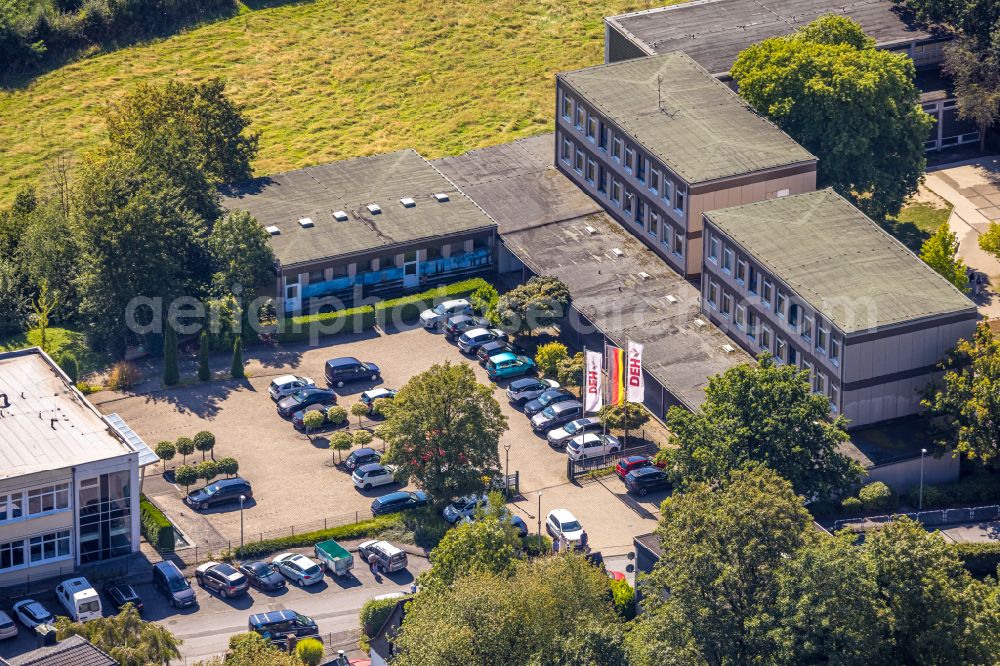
<point x="411" y="270"/>
<point x="293" y="298"/>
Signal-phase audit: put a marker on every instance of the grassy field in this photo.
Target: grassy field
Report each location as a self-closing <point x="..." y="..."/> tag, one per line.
<point x="917" y="222"/>
<point x="330" y="79"/>
<point x="59" y="340"/>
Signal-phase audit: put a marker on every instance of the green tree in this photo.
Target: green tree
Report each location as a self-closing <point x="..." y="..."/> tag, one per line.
<point x="541" y="302"/>
<point x="340" y="442"/>
<point x="312" y="420"/>
<point x="252" y="649"/>
<point x="975" y="71"/>
<point x="207" y="470"/>
<point x="548" y="357"/>
<point x="765" y="413"/>
<point x="336" y="414"/>
<point x="126" y="638"/>
<point x="49" y="254"/>
<point x="67" y="361"/>
<point x="443" y="429"/>
<point x="204" y="371"/>
<point x="185" y="447"/>
<point x="489" y="545"/>
<point x="165" y="451"/>
<point x="360" y="410"/>
<point x="310" y="651"/>
<point x="940" y="252"/>
<point x="204" y="441"/>
<point x="852" y="105"/>
<point x="243" y="259"/>
<point x="362" y="438"/>
<point x="43" y="305"/>
<point x="484" y="301"/>
<point x="228" y="466"/>
<point x="589" y="644"/>
<point x="877" y="496"/>
<point x="236" y="370"/>
<point x="185" y="475"/>
<point x="171" y="369"/>
<point x="569" y="371"/>
<point x="965" y="399"/>
<point x="630" y="415"/>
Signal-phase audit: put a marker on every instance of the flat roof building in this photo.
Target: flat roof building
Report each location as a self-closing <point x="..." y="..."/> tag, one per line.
<point x="658" y="141"/>
<point x="365" y="226"/>
<point x="812" y="280"/>
<point x="69" y="478"/>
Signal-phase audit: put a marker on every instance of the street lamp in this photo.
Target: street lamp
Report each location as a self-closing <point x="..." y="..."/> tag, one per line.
<point x="243" y="499"/>
<point x="506" y="472"/>
<point x="539" y="522"/>
<point x="920" y="502"/>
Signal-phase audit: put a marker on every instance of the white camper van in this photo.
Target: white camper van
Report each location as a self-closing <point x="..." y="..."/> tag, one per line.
<point x="80" y="599"/>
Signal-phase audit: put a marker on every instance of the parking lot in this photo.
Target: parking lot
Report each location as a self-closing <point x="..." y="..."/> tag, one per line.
<point x="293" y="482"/>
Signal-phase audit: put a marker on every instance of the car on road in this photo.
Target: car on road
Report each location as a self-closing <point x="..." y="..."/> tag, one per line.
<point x="287" y="385"/>
<point x="172" y="584"/>
<point x="7" y="627"/>
<point x="629" y="463"/>
<point x="562" y="523"/>
<point x="223" y="491"/>
<point x="592" y="445"/>
<point x="464" y="507"/>
<point x="507" y="366"/>
<point x="559" y="437"/>
<point x="398" y="501"/>
<point x="436" y="316"/>
<point x="470" y="341"/>
<point x="298" y="568"/>
<point x="361" y="457"/>
<point x="371" y="475"/>
<point x="222" y="578"/>
<point x="556" y="414"/>
<point x="388" y="558"/>
<point x="122" y="594"/>
<point x="276" y="626"/>
<point x="299" y="417"/>
<point x="644" y="479"/>
<point x="368" y="398"/>
<point x="526" y="389"/>
<point x="302" y="398"/>
<point x="484" y="353"/>
<point x="546" y="398"/>
<point x="340" y="371"/>
<point x="30" y="613"/>
<point x="263" y="575"/>
<point x="455" y="326"/>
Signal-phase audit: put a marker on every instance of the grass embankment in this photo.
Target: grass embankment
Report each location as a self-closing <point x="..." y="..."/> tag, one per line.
<point x="59" y="340"/>
<point x="331" y="79"/>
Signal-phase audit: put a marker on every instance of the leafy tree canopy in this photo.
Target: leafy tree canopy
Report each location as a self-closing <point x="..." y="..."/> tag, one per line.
<point x="126" y="637"/>
<point x="541" y="302"/>
<point x="242" y="255"/>
<point x="940" y="252"/>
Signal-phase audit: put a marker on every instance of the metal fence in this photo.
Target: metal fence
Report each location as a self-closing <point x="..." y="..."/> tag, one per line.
<point x="577" y="468"/>
<point x="333" y="642"/>
<point x="106" y="570"/>
<point x="936" y="518"/>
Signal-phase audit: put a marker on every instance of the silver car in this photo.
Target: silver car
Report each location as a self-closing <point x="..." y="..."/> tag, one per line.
<point x="286" y="385"/>
<point x="436" y="316"/>
<point x="561" y="436"/>
<point x="298" y="568"/>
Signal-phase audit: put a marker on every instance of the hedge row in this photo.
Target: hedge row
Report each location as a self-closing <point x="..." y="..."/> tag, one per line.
<point x="980" y="488"/>
<point x="156" y="527"/>
<point x="407" y="309"/>
<point x="363" y="529"/>
<point x="980" y="559"/>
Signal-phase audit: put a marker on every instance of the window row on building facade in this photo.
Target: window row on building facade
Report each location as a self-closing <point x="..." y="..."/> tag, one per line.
<point x="35" y="549"/>
<point x="32" y="502"/>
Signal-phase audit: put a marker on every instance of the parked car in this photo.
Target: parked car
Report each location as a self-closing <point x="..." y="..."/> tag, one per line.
<point x="368" y="476"/>
<point x="455" y="326"/>
<point x="496" y="347"/>
<point x="218" y="492"/>
<point x="299" y="417"/>
<point x="643" y="479"/>
<point x="562" y="523"/>
<point x="398" y="501"/>
<point x="80" y="599"/>
<point x="263" y="575"/>
<point x="556" y="414"/>
<point x="463" y="507"/>
<point x="546" y="398"/>
<point x="508" y="366"/>
<point x="436" y="316"/>
<point x="287" y="385"/>
<point x="388" y="558"/>
<point x="7" y="627"/>
<point x="340" y="371"/>
<point x="361" y="457"/>
<point x="222" y="578"/>
<point x="470" y="341"/>
<point x="30" y="613"/>
<point x="368" y="398"/>
<point x="629" y="463"/>
<point x="302" y="398"/>
<point x="122" y="594"/>
<point x="561" y="436"/>
<point x="277" y="626"/>
<point x="172" y="584"/>
<point x="298" y="568"/>
<point x="526" y="389"/>
<point x="592" y="445"/>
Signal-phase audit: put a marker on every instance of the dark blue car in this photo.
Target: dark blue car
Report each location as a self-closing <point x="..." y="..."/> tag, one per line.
<point x="345" y="369"/>
<point x="398" y="501"/>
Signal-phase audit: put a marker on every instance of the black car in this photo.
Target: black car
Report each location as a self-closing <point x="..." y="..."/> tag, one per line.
<point x="496" y="347"/>
<point x="398" y="501"/>
<point x="222" y="578"/>
<point x="345" y="369"/>
<point x="264" y="576"/>
<point x="299" y="400"/>
<point x="219" y="492"/>
<point x="455" y="326"/>
<point x="361" y="457"/>
<point x="123" y="594"/>
<point x="643" y="479"/>
<point x="549" y="397"/>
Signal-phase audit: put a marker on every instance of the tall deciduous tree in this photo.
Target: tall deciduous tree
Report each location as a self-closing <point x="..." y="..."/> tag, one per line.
<point x="242" y="256"/>
<point x="853" y="106"/>
<point x="768" y="414"/>
<point x="128" y="639"/>
<point x="940" y="252"/>
<point x="966" y="400"/>
<point x="539" y="303"/>
<point x="443" y="429"/>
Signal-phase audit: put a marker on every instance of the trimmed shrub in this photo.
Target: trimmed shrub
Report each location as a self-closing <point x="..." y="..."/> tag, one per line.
<point x="336" y="415"/>
<point x="204" y="441"/>
<point x="548" y="357"/>
<point x="979" y="559"/>
<point x="165" y="450"/>
<point x="530" y="545"/>
<point x="305" y="327"/>
<point x="361" y="530"/>
<point x="185" y="447"/>
<point x="227" y="466"/>
<point x="310" y="651"/>
<point x="624" y="598"/>
<point x="207" y="470"/>
<point x="313" y="420"/>
<point x="877" y="496"/>
<point x="185" y="475"/>
<point x="362" y="438"/>
<point x="67" y="361"/>
<point x="484" y="301"/>
<point x="374" y="613"/>
<point x="407" y="309"/>
<point x="237" y="371"/>
<point x="851" y="505"/>
<point x="156" y="528"/>
<point x="171" y="369"/>
<point x="204" y="372"/>
<point x="123" y="375"/>
<point x="979" y="488"/>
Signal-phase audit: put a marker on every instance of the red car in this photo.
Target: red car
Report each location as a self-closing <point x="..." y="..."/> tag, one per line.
<point x="629" y="463"/>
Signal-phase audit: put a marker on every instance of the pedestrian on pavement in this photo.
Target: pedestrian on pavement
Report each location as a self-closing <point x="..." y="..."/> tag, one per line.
<point x="584" y="541"/>
<point x="373" y="563"/>
<point x="555" y="546"/>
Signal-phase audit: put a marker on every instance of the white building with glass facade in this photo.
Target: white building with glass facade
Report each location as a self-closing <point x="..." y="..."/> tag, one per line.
<point x="69" y="477"/>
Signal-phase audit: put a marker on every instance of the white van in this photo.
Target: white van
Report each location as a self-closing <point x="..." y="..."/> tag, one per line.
<point x="80" y="599"/>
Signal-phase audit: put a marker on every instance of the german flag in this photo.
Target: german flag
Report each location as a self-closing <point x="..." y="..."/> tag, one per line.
<point x="616" y="375"/>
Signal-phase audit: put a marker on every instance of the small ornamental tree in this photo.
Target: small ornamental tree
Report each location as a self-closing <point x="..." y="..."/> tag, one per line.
<point x="340" y="442"/>
<point x="310" y="651"/>
<point x="336" y="415"/>
<point x="186" y="475"/>
<point x="207" y="470"/>
<point x="237" y="370"/>
<point x="569" y="371"/>
<point x="204" y="372"/>
<point x="185" y="447"/>
<point x="204" y="441"/>
<point x="362" y="438"/>
<point x="877" y="496"/>
<point x="940" y="252"/>
<point x="484" y="301"/>
<point x="171" y="371"/>
<point x="165" y="450"/>
<point x="625" y="415"/>
<point x="379" y="407"/>
<point x="68" y="363"/>
<point x="360" y="410"/>
<point x="541" y="302"/>
<point x="549" y="356"/>
<point x="312" y="420"/>
<point x="228" y="466"/>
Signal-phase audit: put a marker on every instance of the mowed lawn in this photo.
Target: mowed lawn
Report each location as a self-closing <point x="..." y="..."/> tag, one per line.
<point x="330" y="79"/>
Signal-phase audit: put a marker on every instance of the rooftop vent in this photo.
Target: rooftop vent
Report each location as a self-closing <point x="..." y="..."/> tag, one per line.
<point x="645" y="276"/>
<point x="374" y="209"/>
<point x="407" y="202"/>
<point x="306" y="222"/>
<point x="590" y="230"/>
<point x="441" y="196"/>
<point x="671" y="298"/>
<point x="700" y="323"/>
<point x="273" y="230"/>
<point x="340" y="216"/>
<point x="728" y="348"/>
<point x="618" y="253"/>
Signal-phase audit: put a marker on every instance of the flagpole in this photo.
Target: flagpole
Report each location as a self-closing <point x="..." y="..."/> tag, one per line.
<point x="583" y="382"/>
<point x="625" y="404"/>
